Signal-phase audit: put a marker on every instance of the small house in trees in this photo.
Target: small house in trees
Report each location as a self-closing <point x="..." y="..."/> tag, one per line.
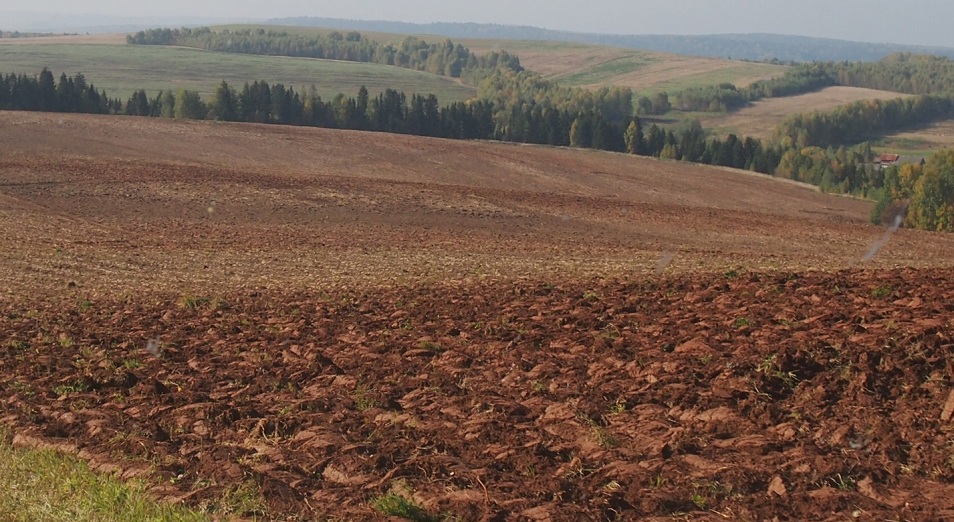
<point x="888" y="160"/>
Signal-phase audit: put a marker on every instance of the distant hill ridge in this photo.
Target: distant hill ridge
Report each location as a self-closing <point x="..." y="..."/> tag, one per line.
<point x="755" y="47"/>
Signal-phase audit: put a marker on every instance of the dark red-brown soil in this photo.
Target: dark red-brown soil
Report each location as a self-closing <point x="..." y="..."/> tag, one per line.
<point x="745" y="396"/>
<point x="309" y="319"/>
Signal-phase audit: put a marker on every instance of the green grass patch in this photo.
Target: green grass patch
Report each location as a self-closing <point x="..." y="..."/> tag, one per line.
<point x="396" y="505"/>
<point x="245" y="500"/>
<point x="677" y="120"/>
<point x="904" y="146"/>
<point x="122" y="69"/>
<point x="46" y="485"/>
<point x="397" y="502"/>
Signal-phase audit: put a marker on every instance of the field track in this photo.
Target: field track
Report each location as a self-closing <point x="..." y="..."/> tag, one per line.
<point x="497" y="332"/>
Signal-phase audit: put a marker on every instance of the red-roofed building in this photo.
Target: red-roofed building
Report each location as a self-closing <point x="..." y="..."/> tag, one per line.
<point x="889" y="159"/>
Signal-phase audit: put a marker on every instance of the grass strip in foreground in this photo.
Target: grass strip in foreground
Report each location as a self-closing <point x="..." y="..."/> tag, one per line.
<point x="42" y="484"/>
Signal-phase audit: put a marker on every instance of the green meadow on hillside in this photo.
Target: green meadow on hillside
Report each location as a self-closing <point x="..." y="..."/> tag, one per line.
<point x="122" y="69"/>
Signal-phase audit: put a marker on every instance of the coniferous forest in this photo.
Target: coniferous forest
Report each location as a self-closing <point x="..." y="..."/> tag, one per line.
<point x="44" y="93"/>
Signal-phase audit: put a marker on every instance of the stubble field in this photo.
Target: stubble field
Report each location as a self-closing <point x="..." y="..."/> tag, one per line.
<point x="340" y="324"/>
<point x="762" y="118"/>
<point x="594" y="66"/>
<point x="122" y="69"/>
<point x="919" y="141"/>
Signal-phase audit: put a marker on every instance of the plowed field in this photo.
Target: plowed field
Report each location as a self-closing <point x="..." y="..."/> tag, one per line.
<point x="328" y="323"/>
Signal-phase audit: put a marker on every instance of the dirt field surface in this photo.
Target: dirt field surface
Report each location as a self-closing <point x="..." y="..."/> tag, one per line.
<point x="126" y="204"/>
<point x="324" y="323"/>
<point x="761" y="119"/>
<point x="807" y="397"/>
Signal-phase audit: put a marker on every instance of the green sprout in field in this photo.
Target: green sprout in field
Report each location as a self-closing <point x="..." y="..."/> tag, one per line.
<point x="398" y="502"/>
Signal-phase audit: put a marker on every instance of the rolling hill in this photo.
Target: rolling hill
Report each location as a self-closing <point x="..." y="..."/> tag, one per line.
<point x="593" y="66"/>
<point x="276" y="322"/>
<point x="754" y="47"/>
<point x="357" y="206"/>
<point x="121" y="69"/>
<point x="587" y="65"/>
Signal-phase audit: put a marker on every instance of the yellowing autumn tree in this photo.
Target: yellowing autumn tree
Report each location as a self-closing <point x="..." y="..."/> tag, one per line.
<point x="930" y="190"/>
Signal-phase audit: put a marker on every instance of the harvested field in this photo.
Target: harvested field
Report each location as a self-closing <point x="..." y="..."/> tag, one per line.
<point x="761" y="119"/>
<point x="555" y="59"/>
<point x="673" y="73"/>
<point x="645" y="72"/>
<point x="330" y="322"/>
<point x="923" y="140"/>
<point x="122" y="69"/>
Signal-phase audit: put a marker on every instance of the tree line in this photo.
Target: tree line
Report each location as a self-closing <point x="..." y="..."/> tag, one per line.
<point x="900" y="72"/>
<point x="18" y="34"/>
<point x="456" y="61"/>
<point x="390" y="111"/>
<point x="260" y="102"/>
<point x="526" y="105"/>
<point x="576" y="118"/>
<point x="923" y="193"/>
<point x="858" y="121"/>
<point x="926" y="190"/>
<point x="726" y="97"/>
<point x="44" y="93"/>
<point x="817" y="148"/>
<point x="842" y="170"/>
<point x="444" y="58"/>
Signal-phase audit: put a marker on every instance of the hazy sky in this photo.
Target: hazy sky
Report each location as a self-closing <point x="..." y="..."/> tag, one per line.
<point x="924" y="22"/>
